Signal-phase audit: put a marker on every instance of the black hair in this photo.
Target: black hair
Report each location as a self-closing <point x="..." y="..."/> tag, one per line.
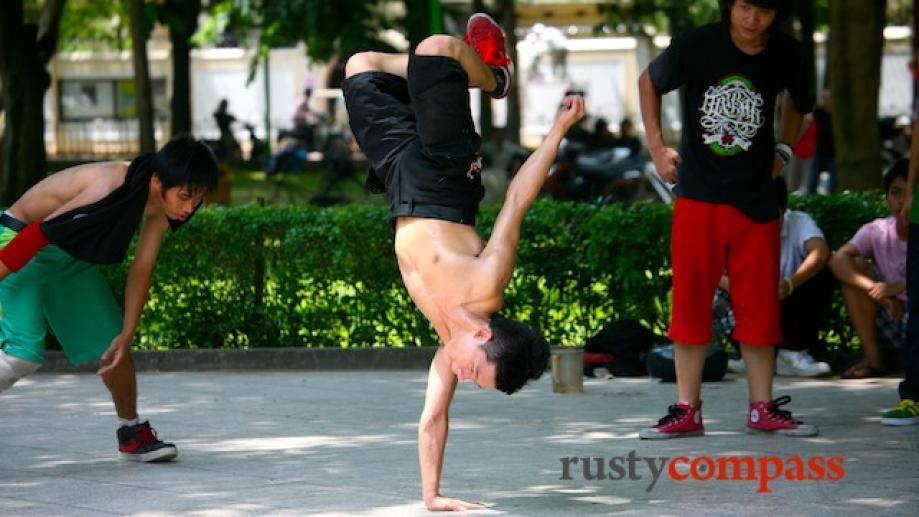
<point x="900" y="169"/>
<point x="518" y="352"/>
<point x="781" y="192"/>
<point x="186" y="161"/>
<point x="782" y="9"/>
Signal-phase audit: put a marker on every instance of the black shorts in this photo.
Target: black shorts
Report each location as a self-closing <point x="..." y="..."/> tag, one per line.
<point x="419" y="138"/>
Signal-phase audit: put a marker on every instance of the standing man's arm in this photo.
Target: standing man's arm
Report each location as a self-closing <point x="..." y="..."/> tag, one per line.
<point x="665" y="158"/>
<point x="432" y="435"/>
<point x="500" y="253"/>
<point x="135" y="291"/>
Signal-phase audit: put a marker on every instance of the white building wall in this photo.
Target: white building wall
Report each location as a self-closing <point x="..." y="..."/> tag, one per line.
<point x="606" y="69"/>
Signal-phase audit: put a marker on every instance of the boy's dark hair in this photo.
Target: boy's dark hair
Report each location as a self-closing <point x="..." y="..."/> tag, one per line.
<point x="781" y="192"/>
<point x="518" y="352"/>
<point x="186" y="161"/>
<point x="782" y="9"/>
<point x="900" y="169"/>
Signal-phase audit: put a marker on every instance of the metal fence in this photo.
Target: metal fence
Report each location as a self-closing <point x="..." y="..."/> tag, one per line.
<point x="99" y="138"/>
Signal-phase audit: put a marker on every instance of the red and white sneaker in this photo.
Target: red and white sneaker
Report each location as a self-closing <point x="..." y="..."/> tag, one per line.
<point x="139" y="443"/>
<point x="683" y="419"/>
<point x="489" y="41"/>
<point x="766" y="417"/>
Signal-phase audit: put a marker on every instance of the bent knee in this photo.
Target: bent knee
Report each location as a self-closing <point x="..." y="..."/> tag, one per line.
<point x="362" y="62"/>
<point x="440" y="45"/>
<point x="13" y="368"/>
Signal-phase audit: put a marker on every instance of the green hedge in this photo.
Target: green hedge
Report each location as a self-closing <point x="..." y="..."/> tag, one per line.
<point x="327" y="277"/>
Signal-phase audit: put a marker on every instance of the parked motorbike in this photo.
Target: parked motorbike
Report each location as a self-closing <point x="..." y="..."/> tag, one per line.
<point x="604" y="175"/>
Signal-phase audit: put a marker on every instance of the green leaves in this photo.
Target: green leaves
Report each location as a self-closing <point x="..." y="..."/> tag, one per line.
<point x="327" y="277"/>
<point x="95" y="25"/>
<point x="328" y="29"/>
<point x="659" y="16"/>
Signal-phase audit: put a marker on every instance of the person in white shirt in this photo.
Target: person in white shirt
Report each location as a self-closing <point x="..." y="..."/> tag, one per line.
<point x="805" y="289"/>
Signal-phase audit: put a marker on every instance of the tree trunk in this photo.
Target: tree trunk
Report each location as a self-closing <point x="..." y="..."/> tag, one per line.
<point x="509" y="23"/>
<point x="25" y="50"/>
<point x="180" y="105"/>
<point x="915" y="49"/>
<point x="806" y="12"/>
<point x="182" y="20"/>
<point x="856" y="29"/>
<point x="143" y="97"/>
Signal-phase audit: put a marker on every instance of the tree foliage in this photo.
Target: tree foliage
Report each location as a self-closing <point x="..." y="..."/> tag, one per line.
<point x="181" y="17"/>
<point x="98" y="25"/>
<point x="328" y="29"/>
<point x="649" y="17"/>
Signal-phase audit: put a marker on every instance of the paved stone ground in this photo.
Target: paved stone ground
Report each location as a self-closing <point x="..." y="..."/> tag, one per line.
<point x="344" y="443"/>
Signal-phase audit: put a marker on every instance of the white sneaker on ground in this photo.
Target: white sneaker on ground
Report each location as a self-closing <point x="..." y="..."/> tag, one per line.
<point x="798" y="363"/>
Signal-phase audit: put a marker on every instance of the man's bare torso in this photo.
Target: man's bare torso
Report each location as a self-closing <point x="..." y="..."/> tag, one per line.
<point x="92" y="182"/>
<point x="439" y="261"/>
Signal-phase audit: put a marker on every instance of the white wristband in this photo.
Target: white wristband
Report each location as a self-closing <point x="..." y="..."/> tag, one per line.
<point x="784" y="151"/>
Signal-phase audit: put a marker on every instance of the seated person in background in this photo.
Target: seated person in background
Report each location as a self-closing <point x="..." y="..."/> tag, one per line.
<point x="866" y="287"/>
<point x="627" y="137"/>
<point x="805" y="289"/>
<point x="305" y="122"/>
<point x="602" y="138"/>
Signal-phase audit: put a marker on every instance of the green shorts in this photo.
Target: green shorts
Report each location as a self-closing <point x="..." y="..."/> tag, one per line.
<point x="69" y="294"/>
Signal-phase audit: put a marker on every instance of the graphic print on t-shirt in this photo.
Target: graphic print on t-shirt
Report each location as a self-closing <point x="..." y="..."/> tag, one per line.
<point x="732" y="113"/>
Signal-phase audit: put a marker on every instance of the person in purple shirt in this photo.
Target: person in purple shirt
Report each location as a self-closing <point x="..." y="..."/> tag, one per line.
<point x="875" y="291"/>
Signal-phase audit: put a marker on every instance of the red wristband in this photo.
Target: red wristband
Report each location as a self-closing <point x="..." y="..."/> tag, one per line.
<point x="17" y="253"/>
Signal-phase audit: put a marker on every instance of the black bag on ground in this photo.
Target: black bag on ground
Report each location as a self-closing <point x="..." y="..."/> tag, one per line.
<point x="628" y="341"/>
<point x="661" y="365"/>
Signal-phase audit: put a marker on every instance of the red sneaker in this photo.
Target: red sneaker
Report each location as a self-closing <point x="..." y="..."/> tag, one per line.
<point x="139" y="443"/>
<point x="766" y="417"/>
<point x="682" y="420"/>
<point x="489" y="41"/>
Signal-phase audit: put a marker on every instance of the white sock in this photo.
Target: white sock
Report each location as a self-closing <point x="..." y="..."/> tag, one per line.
<point x="126" y="422"/>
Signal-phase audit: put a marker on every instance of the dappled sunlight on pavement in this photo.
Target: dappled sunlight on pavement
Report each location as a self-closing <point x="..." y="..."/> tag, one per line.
<point x="344" y="443"/>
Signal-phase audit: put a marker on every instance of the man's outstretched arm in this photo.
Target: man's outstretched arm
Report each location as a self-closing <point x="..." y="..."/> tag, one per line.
<point x="501" y="250"/>
<point x="432" y="435"/>
<point x="136" y="289"/>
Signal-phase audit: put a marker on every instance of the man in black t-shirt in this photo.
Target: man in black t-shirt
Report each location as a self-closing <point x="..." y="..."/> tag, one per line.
<point x="730" y="75"/>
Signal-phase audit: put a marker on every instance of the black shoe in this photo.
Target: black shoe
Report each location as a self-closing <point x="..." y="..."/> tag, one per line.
<point x="139" y="443"/>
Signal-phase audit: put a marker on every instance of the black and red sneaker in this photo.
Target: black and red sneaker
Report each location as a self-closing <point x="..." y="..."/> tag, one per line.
<point x="682" y="419"/>
<point x="767" y="417"/>
<point x="139" y="443"/>
<point x="489" y="41"/>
